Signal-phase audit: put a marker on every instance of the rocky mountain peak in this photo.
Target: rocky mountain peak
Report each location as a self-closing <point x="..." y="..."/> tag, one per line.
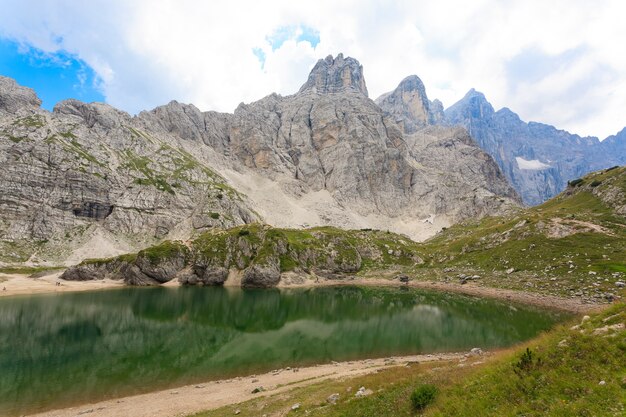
<point x="409" y="104"/>
<point x="14" y="97"/>
<point x="332" y="75"/>
<point x="436" y="112"/>
<point x="92" y="114"/>
<point x="507" y="114"/>
<point x="616" y="144"/>
<point x="412" y="83"/>
<point x="473" y="105"/>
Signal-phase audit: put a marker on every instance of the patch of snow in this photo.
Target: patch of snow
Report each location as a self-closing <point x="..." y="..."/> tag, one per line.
<point x="535" y="164"/>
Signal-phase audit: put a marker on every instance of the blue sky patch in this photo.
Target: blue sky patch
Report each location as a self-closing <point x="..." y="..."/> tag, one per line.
<point x="297" y="33"/>
<point x="54" y="77"/>
<point x="258" y="52"/>
<point x="309" y="35"/>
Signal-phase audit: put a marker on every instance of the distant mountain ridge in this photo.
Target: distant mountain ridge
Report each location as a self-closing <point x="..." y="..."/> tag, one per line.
<point x="536" y="158"/>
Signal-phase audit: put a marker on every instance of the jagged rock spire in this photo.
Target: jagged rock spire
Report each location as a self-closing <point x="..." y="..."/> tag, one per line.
<point x="332" y="75"/>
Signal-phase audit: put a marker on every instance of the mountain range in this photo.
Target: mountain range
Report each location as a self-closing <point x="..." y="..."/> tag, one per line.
<point x="537" y="159"/>
<point x="89" y="180"/>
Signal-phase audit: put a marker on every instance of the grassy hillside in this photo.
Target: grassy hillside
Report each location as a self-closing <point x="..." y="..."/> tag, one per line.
<point x="562" y="378"/>
<point x="572" y="245"/>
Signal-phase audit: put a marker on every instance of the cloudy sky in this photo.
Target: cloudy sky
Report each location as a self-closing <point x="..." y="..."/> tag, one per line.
<point x="558" y="62"/>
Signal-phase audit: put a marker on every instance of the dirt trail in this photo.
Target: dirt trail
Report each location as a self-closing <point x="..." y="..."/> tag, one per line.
<point x="565" y="227"/>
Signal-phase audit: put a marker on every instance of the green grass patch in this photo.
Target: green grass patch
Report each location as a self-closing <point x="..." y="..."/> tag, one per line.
<point x="35" y="121"/>
<point x="565" y="382"/>
<point x="164" y="251"/>
<point x="16" y="139"/>
<point x="28" y="270"/>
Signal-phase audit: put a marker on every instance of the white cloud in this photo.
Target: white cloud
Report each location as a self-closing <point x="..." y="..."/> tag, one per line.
<point x="148" y="52"/>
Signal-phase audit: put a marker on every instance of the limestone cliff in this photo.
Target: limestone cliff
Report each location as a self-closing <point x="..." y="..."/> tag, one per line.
<point x="331" y="139"/>
<point x="83" y="175"/>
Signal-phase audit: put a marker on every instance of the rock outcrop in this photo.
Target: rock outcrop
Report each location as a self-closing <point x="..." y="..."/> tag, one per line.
<point x="335" y="75"/>
<point x="259" y="254"/>
<point x="14" y="97"/>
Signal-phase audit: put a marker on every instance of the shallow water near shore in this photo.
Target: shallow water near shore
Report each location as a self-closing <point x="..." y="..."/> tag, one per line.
<point x="58" y="350"/>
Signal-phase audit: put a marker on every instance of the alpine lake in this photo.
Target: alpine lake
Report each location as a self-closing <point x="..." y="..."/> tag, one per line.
<point x="58" y="350"/>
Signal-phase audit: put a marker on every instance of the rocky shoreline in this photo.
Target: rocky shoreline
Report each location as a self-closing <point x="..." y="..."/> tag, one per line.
<point x="17" y="284"/>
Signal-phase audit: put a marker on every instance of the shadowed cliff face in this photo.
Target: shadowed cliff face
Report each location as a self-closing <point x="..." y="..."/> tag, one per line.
<point x="88" y="167"/>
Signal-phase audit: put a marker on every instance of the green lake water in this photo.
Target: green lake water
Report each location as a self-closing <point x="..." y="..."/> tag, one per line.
<point x="63" y="349"/>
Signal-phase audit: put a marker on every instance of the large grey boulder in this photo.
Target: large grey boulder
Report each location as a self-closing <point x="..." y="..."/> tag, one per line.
<point x="85" y="272"/>
<point x="210" y="275"/>
<point x="261" y="275"/>
<point x="162" y="271"/>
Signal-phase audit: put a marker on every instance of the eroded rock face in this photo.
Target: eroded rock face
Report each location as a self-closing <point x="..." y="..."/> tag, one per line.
<point x="89" y="169"/>
<point x="261" y="276"/>
<point x="408" y="104"/>
<point x="336" y="139"/>
<point x="93" y="114"/>
<point x="331" y="137"/>
<point x="211" y="275"/>
<point x="86" y="272"/>
<point x="162" y="271"/>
